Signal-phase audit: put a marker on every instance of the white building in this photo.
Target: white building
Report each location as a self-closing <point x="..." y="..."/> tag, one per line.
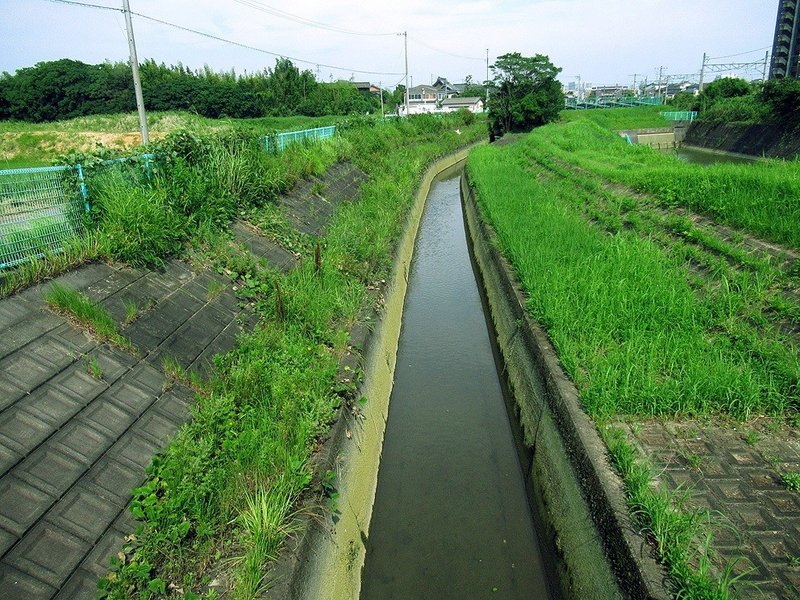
<point x="471" y="103"/>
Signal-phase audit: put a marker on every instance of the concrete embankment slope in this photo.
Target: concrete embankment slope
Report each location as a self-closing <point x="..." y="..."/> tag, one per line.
<point x="757" y="140"/>
<point x="578" y="498"/>
<point x="80" y="420"/>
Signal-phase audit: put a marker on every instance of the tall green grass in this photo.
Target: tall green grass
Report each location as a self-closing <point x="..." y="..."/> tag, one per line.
<point x="634" y="117"/>
<point x="629" y="329"/>
<point x="762" y="198"/>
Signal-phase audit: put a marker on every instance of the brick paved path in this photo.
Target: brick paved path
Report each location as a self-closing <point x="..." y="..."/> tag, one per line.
<point x="734" y="471"/>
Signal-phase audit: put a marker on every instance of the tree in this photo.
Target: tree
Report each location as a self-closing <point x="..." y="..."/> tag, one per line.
<point x="725" y="87"/>
<point x="782" y="97"/>
<point x="526" y="93"/>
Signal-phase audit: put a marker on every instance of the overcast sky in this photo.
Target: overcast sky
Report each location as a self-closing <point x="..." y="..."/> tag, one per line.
<point x="602" y="41"/>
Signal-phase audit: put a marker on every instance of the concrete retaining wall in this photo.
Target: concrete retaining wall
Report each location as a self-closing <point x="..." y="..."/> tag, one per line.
<point x="579" y="498"/>
<point x="755" y="140"/>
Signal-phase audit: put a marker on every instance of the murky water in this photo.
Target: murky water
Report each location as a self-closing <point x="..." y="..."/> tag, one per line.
<point x="451" y="517"/>
<point x="703" y="157"/>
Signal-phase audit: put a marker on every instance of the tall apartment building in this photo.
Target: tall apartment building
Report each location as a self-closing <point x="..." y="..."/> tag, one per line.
<point x="786" y="47"/>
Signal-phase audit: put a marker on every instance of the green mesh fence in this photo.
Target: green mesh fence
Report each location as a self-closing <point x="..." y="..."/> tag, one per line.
<point x="280" y="141"/>
<point x="40" y="210"/>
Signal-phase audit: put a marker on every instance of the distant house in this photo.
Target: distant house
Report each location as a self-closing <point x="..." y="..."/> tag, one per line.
<point x="366" y="86"/>
<point x="471" y="103"/>
<point x="446" y="89"/>
<point x="438" y="98"/>
<point x="422" y="99"/>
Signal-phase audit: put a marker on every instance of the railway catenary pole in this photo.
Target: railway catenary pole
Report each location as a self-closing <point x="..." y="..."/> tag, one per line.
<point x="137" y="83"/>
<point x="702" y="72"/>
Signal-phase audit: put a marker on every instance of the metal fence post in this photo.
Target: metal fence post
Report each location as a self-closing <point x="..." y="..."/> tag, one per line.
<point x="84" y="191"/>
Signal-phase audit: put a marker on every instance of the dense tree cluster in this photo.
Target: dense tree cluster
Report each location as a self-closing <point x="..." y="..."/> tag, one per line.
<point x="524" y="93"/>
<point x="731" y="99"/>
<point x="65" y="89"/>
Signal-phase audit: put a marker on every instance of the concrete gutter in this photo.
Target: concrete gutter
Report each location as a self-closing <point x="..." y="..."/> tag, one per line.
<point x="579" y="501"/>
<point x="324" y="558"/>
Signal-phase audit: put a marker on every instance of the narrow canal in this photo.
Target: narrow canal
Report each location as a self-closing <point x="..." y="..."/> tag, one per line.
<point x="704" y="157"/>
<point x="451" y="517"/>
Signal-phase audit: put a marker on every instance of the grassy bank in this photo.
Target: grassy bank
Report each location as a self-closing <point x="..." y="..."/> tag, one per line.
<point x="651" y="314"/>
<point x="219" y="502"/>
<point x="39" y="144"/>
<point x="762" y="198"/>
<point x="634" y="117"/>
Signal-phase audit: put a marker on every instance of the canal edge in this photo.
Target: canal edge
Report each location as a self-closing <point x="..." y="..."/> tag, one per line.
<point x="594" y="534"/>
<point x="324" y="557"/>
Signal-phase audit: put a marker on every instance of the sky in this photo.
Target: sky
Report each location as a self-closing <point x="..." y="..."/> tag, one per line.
<point x="600" y="41"/>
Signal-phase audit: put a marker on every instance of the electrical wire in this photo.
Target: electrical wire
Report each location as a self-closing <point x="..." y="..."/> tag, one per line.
<point x="87" y="5"/>
<point x="429" y="47"/>
<point x="304" y="21"/>
<point x="740" y="53"/>
<point x="225" y="40"/>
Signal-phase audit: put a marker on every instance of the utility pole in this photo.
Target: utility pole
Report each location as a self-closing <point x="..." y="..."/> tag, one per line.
<point x="766" y="62"/>
<point x="634" y="75"/>
<point x="660" y="72"/>
<point x="703" y="72"/>
<point x="137" y="83"/>
<point x="405" y="40"/>
<point x="380" y="85"/>
<point x="486" y="83"/>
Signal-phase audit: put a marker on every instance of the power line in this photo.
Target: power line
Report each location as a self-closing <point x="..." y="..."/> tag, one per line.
<point x="225" y="40"/>
<point x="429" y="47"/>
<point x="87" y="5"/>
<point x="740" y="53"/>
<point x="303" y="20"/>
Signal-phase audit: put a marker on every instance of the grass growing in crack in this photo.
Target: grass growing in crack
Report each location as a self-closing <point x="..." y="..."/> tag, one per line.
<point x="93" y="368"/>
<point x="682" y="536"/>
<point x="215" y="288"/>
<point x="91" y="315"/>
<point x="131" y="312"/>
<point x="173" y="369"/>
<point x="75" y="252"/>
<point x="791" y="479"/>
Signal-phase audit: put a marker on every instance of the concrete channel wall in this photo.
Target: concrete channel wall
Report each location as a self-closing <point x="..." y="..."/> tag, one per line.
<point x="578" y="499"/>
<point x="659" y="138"/>
<point x="324" y="558"/>
<point x="770" y="140"/>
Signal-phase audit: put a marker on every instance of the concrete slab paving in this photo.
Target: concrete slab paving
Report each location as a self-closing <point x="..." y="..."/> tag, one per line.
<point x="81" y="420"/>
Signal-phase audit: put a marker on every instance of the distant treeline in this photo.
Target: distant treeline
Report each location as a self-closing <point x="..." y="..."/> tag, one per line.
<point x="734" y="100"/>
<point x="64" y="89"/>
